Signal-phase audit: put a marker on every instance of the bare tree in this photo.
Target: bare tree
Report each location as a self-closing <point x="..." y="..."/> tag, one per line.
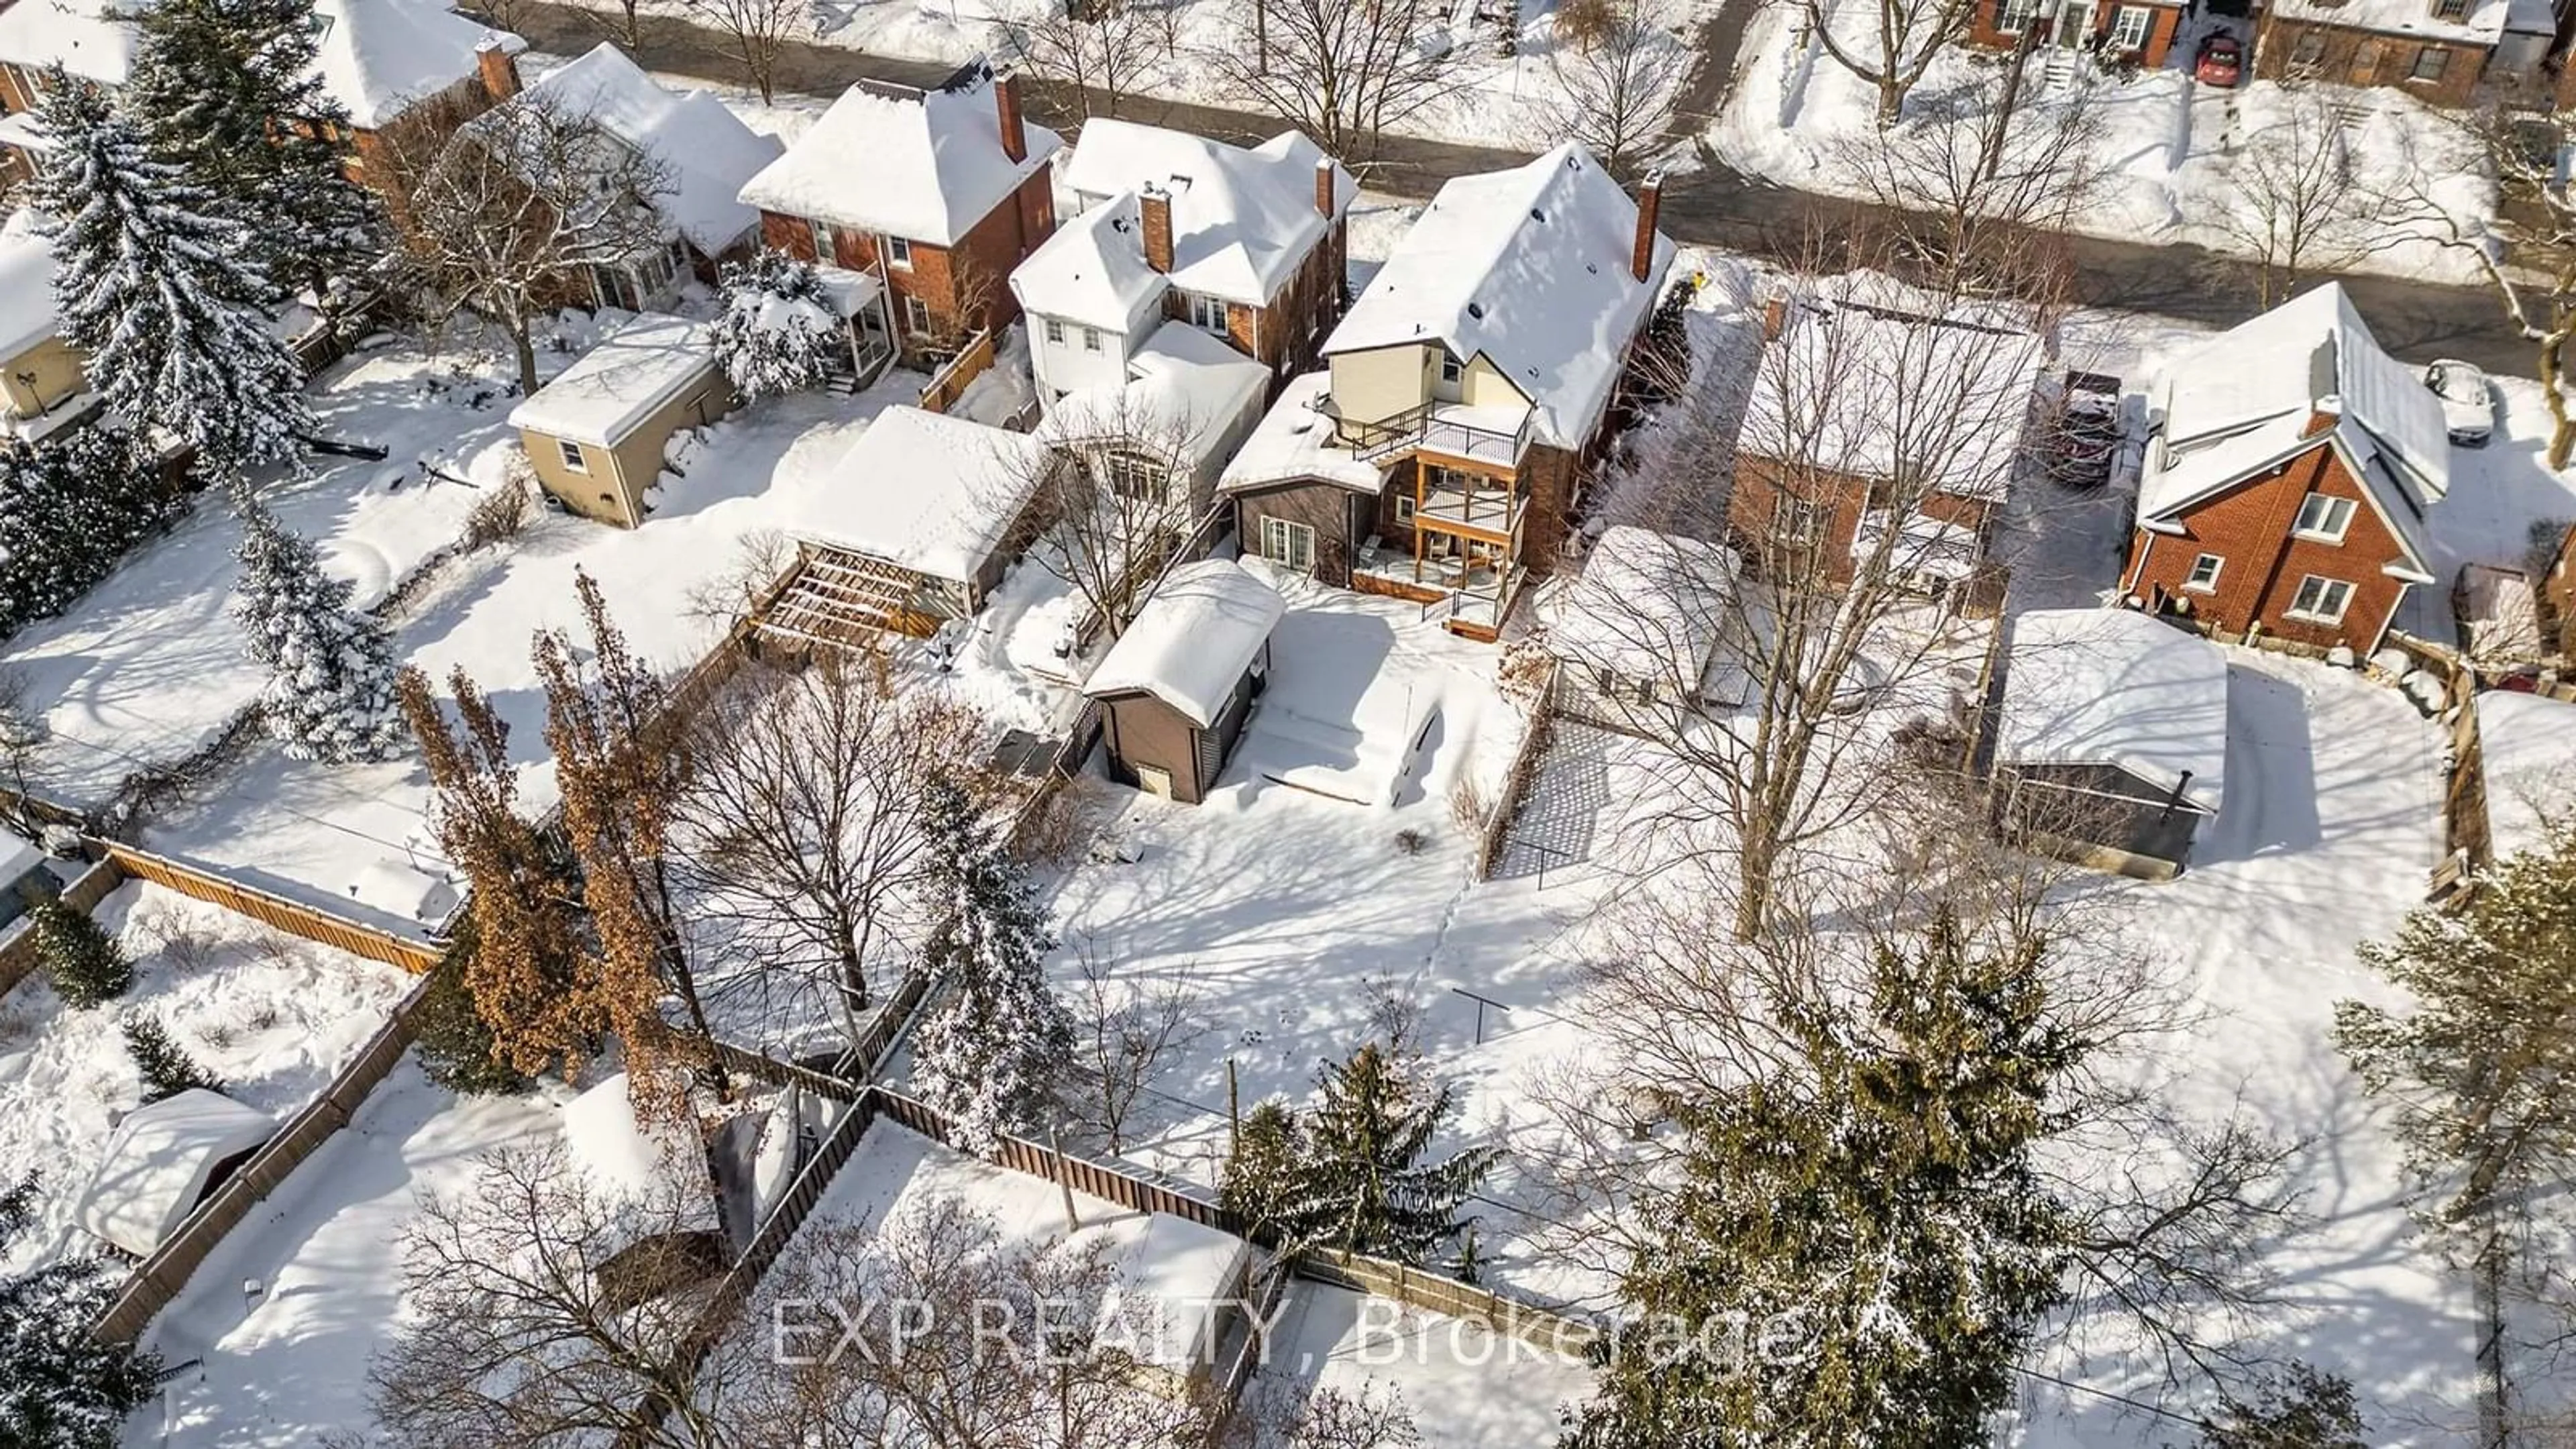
<point x="1623" y="80"/>
<point x="504" y="214"/>
<point x="1113" y="497"/>
<point x="755" y="32"/>
<point x="1127" y="1035"/>
<point x="24" y="732"/>
<point x="1896" y="50"/>
<point x="518" y="1340"/>
<point x="1339" y="71"/>
<point x="803" y="818"/>
<point x="2295" y="204"/>
<point x="1107" y="48"/>
<point x="1376" y="1417"/>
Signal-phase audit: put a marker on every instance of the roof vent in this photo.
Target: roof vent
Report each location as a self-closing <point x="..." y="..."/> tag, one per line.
<point x="1476" y="310"/>
<point x="1537" y="215"/>
<point x="1593" y="267"/>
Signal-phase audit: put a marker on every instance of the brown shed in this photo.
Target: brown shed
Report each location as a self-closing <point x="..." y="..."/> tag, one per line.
<point x="596" y="434"/>
<point x="1177" y="687"/>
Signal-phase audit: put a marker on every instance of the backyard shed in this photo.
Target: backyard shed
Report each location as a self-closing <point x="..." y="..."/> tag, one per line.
<point x="1176" y="688"/>
<point x="164" y="1159"/>
<point x="2112" y="744"/>
<point x="597" y="433"/>
<point x="1636" y="629"/>
<point x="653" y="1178"/>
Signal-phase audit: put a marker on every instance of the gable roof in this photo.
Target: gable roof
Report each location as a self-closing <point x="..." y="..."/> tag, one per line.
<point x="377" y="57"/>
<point x="2115" y="687"/>
<point x="924" y="491"/>
<point x="705" y="147"/>
<point x="2243" y="403"/>
<point x="1193" y="639"/>
<point x="157" y="1164"/>
<point x="1243" y="219"/>
<point x="923" y="167"/>
<point x="82" y="36"/>
<point x="1648" y="607"/>
<point x="617" y="384"/>
<point x="1527" y="268"/>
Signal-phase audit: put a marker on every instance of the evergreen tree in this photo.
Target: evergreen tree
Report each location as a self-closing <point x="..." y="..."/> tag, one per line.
<point x="457" y="1048"/>
<point x="779" y="332"/>
<point x="210" y="80"/>
<point x="166" y="1069"/>
<point x="87" y="966"/>
<point x="153" y="284"/>
<point x="1368" y="1188"/>
<point x="1265" y="1175"/>
<point x="59" y="1387"/>
<point x="2298" y="1408"/>
<point x="990" y="1054"/>
<point x="69" y="513"/>
<point x="330" y="690"/>
<point x="1867" y="1216"/>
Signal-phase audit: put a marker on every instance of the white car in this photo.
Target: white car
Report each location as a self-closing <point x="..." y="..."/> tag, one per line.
<point x="2468" y="407"/>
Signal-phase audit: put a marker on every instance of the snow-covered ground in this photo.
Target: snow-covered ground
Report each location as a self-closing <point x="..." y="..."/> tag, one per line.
<point x="272" y="1017"/>
<point x="2173" y="161"/>
<point x="1466" y="1386"/>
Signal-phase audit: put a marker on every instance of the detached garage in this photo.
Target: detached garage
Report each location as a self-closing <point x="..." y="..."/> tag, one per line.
<point x="1177" y="686"/>
<point x="597" y="433"/>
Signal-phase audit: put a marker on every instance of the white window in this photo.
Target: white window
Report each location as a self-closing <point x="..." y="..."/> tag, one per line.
<point x="898" y="252"/>
<point x="1091" y="339"/>
<point x="1796" y="521"/>
<point x="2323" y="519"/>
<point x="572" y="455"/>
<point x="2321" y="600"/>
<point x="2204" y="574"/>
<point x="2012" y="15"/>
<point x="827" y="248"/>
<point x="1403" y="508"/>
<point x="1055" y="331"/>
<point x="1206" y="313"/>
<point x="1135" y="478"/>
<point x="2129" y="31"/>
<point x="916" y="315"/>
<point x="1452" y="371"/>
<point x="1291" y="545"/>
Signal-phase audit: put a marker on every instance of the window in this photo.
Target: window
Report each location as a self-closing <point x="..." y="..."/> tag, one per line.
<point x="1205" y="313"/>
<point x="1452" y="371"/>
<point x="1055" y="331"/>
<point x="2204" y="574"/>
<point x="1796" y="521"/>
<point x="2321" y="600"/>
<point x="2429" y="63"/>
<point x="1091" y="339"/>
<point x="2129" y="31"/>
<point x="2309" y="49"/>
<point x="572" y="455"/>
<point x="827" y="247"/>
<point x="1135" y="478"/>
<point x="898" y="252"/>
<point x="1403" y="508"/>
<point x="916" y="315"/>
<point x="2450" y="9"/>
<point x="2323" y="519"/>
<point x="2012" y="15"/>
<point x="1291" y="545"/>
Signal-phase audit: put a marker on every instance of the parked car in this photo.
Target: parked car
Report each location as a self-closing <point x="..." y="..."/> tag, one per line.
<point x="2468" y="405"/>
<point x="2220" y="61"/>
<point x="2088" y="431"/>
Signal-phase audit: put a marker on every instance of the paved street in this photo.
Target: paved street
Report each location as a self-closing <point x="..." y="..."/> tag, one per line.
<point x="1715" y="206"/>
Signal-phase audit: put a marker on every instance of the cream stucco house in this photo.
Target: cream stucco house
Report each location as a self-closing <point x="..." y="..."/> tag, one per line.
<point x="41" y="383"/>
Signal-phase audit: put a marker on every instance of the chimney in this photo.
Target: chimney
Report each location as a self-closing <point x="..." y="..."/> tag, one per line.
<point x="1650" y="204"/>
<point x="1775" y="318"/>
<point x="1154" y="210"/>
<point x="1006" y="108"/>
<point x="499" y="69"/>
<point x="1324" y="186"/>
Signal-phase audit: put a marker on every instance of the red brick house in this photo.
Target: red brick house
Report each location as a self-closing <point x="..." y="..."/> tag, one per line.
<point x="2107" y="28"/>
<point x="937" y="194"/>
<point x="2287" y="487"/>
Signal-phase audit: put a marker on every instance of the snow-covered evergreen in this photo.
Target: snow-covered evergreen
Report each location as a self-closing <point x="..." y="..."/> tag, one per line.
<point x="59" y="1387"/>
<point x="330" y="690"/>
<point x="209" y="79"/>
<point x="69" y="511"/>
<point x="778" y="332"/>
<point x="154" y="284"/>
<point x="991" y="1053"/>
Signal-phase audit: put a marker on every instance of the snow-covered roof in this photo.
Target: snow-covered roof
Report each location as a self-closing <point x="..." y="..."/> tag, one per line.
<point x="705" y="147"/>
<point x="1173" y="1275"/>
<point x="925" y="491"/>
<point x="1092" y="271"/>
<point x="84" y="37"/>
<point x="630" y="375"/>
<point x="2480" y="25"/>
<point x="378" y="57"/>
<point x="635" y="1166"/>
<point x="2116" y="687"/>
<point x="157" y="1164"/>
<point x="26" y="285"/>
<point x="1647" y="607"/>
<point x="18" y="856"/>
<point x="2528" y="743"/>
<point x="1183" y="387"/>
<point x="1871" y="392"/>
<point x="925" y="168"/>
<point x="1193" y="640"/>
<point x="1243" y="219"/>
<point x="1527" y="268"/>
<point x="2243" y="403"/>
<point x="1295" y="442"/>
<point x="403" y="890"/>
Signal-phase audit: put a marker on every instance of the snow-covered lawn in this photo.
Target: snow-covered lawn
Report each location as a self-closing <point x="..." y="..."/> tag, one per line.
<point x="2169" y="154"/>
<point x="1467" y="1387"/>
<point x="272" y="1017"/>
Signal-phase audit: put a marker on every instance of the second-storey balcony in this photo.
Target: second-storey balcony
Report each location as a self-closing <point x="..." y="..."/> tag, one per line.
<point x="1452" y="500"/>
<point x="1492" y="435"/>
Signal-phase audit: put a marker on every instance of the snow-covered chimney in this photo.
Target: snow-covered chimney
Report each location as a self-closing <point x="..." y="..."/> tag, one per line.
<point x="1650" y="205"/>
<point x="1154" y="212"/>
<point x="1324" y="187"/>
<point x="498" y="68"/>
<point x="1006" y="107"/>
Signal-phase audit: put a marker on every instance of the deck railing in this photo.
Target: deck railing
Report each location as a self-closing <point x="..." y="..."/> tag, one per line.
<point x="1439" y="427"/>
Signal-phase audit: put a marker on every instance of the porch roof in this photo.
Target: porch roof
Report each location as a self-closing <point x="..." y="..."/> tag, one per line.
<point x="1295" y="443"/>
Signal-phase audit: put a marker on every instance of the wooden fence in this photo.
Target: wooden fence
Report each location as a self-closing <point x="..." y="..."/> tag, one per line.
<point x="18" y="958"/>
<point x="2468" y="843"/>
<point x="1524" y="769"/>
<point x="949" y="383"/>
<point x="159" y="1278"/>
<point x="277" y="911"/>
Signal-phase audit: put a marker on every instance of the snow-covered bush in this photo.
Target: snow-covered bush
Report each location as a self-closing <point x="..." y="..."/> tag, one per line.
<point x="69" y="511"/>
<point x="166" y="1067"/>
<point x="330" y="690"/>
<point x="778" y="332"/>
<point x="86" y="965"/>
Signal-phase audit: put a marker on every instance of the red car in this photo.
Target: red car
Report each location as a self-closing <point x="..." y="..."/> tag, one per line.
<point x="2221" y="61"/>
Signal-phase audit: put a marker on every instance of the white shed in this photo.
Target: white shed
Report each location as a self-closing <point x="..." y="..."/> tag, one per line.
<point x="164" y="1159"/>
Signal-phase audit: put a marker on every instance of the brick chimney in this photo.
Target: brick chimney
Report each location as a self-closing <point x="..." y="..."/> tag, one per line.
<point x="1650" y="205"/>
<point x="1324" y="187"/>
<point x="1006" y="108"/>
<point x="1154" y="213"/>
<point x="1775" y="318"/>
<point x="498" y="68"/>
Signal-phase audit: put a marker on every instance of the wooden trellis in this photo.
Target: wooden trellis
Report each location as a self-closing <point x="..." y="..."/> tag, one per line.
<point x="845" y="600"/>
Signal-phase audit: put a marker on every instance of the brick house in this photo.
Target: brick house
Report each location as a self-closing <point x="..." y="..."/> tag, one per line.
<point x="1245" y="244"/>
<point x="2287" y="487"/>
<point x="2435" y="50"/>
<point x="2107" y="28"/>
<point x="1880" y="438"/>
<point x="382" y="60"/>
<point x="940" y="194"/>
<point x="1437" y="457"/>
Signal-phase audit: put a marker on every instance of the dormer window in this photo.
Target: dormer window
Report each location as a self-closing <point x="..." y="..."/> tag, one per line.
<point x="1453" y="378"/>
